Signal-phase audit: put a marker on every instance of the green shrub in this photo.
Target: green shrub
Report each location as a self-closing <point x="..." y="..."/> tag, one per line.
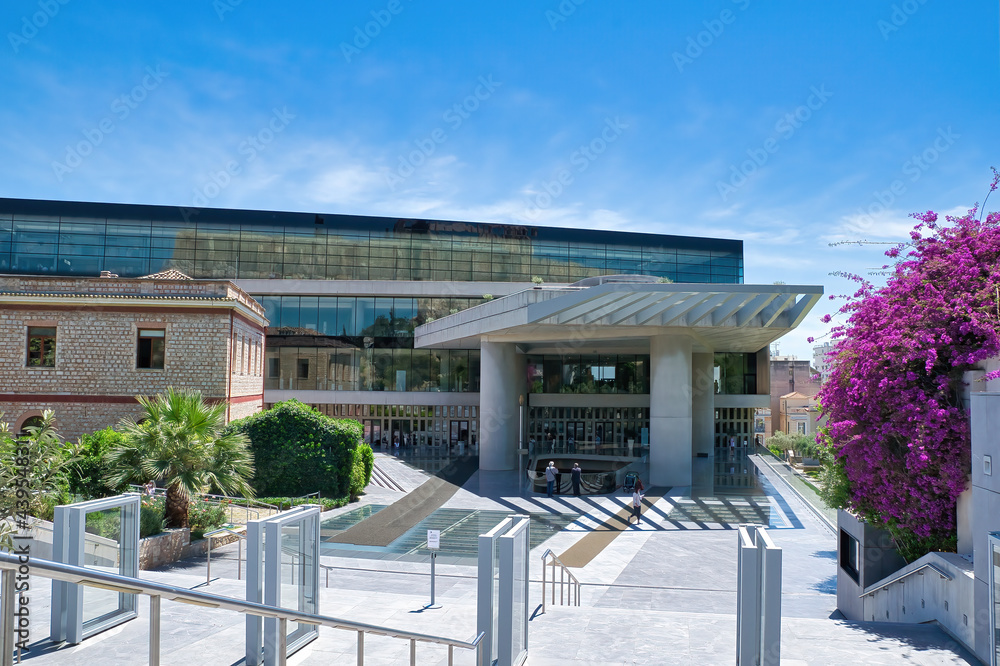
<point x="150" y="517"/>
<point x="87" y="476"/>
<point x="204" y="517"/>
<point x="284" y="503"/>
<point x="361" y="473"/>
<point x="298" y="450"/>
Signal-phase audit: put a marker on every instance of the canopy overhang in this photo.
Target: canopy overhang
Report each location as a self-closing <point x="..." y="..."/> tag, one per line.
<point x="623" y="316"/>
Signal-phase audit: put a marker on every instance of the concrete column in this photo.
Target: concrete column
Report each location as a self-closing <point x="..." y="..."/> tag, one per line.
<point x="501" y="381"/>
<point x="670" y="411"/>
<point x="703" y="404"/>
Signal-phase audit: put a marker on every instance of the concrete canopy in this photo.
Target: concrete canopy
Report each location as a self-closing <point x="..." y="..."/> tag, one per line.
<point x="718" y="317"/>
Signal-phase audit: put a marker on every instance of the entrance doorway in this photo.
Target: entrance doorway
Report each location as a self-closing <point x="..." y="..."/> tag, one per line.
<point x="459" y="436"/>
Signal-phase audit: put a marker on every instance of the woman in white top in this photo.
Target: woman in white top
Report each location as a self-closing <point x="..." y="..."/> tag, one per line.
<point x="636" y="507"/>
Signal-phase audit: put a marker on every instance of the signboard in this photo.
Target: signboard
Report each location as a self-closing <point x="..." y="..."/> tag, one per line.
<point x="434" y="539"/>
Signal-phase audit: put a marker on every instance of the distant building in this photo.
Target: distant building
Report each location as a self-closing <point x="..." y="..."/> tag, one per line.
<point x="799" y="414"/>
<point x="788" y="375"/>
<point x="820" y="360"/>
<point x="86" y="347"/>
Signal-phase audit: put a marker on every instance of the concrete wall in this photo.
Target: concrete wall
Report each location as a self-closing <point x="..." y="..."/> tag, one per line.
<point x="985" y="504"/>
<point x="878" y="559"/>
<point x="927" y="596"/>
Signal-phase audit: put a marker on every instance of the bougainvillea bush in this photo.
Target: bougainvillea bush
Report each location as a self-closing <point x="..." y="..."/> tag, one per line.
<point x="897" y="434"/>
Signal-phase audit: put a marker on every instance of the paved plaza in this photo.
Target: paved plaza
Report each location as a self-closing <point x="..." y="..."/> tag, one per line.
<point x="663" y="592"/>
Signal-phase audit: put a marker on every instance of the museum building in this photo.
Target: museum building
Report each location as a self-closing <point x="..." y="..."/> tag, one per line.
<point x="456" y="337"/>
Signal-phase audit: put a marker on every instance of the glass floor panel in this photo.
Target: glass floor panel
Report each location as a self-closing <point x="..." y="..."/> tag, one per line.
<point x="460" y="530"/>
<point x="722" y="510"/>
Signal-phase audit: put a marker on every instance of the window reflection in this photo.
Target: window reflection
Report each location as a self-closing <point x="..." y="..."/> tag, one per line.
<point x="219" y="244"/>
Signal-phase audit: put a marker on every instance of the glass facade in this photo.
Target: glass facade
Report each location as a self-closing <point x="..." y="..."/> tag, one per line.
<point x="604" y="373"/>
<point x="67" y="238"/>
<point x="736" y="373"/>
<point x="433" y="429"/>
<point x="613" y="431"/>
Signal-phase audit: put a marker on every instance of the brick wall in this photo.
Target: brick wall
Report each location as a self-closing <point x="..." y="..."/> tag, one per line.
<point x="96" y="348"/>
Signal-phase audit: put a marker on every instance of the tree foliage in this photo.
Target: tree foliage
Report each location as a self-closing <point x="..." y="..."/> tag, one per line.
<point x="897" y="432"/>
<point x="33" y="472"/>
<point x="300" y="450"/>
<point x="181" y="442"/>
<point x="88" y="476"/>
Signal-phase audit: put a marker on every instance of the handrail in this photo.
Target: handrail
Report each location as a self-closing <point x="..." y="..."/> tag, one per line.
<point x="157" y="591"/>
<point x="573" y="584"/>
<point x="208" y="553"/>
<point x="895" y="579"/>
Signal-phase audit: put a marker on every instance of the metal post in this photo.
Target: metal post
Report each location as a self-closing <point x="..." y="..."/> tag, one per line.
<point x="562" y="586"/>
<point x="433" y="558"/>
<point x="9" y="595"/>
<point x="282" y="640"/>
<point x="239" y="559"/>
<point x="154" y="630"/>
<point x="208" y="562"/>
<point x="543" y="584"/>
<point x="451" y="655"/>
<point x="361" y="648"/>
<point x="413" y="652"/>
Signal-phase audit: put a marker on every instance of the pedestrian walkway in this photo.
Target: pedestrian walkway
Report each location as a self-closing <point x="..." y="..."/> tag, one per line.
<point x="663" y="592"/>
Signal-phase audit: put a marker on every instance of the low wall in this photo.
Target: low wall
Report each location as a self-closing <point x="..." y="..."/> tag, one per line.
<point x="164" y="548"/>
<point x="175" y="544"/>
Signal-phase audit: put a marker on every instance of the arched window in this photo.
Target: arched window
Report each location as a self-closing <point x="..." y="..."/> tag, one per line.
<point x="30" y="422"/>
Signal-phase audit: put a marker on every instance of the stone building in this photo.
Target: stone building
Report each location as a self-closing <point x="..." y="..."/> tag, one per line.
<point x="86" y="347"/>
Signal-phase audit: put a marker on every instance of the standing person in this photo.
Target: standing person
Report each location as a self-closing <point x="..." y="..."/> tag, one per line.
<point x="576" y="475"/>
<point x="571" y="444"/>
<point x="550" y="478"/>
<point x="149" y="488"/>
<point x="636" y="506"/>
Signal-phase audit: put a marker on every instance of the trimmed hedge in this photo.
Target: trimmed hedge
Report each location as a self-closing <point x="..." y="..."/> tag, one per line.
<point x="298" y="450"/>
<point x="285" y="503"/>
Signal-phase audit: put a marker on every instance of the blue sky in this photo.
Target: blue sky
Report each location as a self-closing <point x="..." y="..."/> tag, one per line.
<point x="789" y="125"/>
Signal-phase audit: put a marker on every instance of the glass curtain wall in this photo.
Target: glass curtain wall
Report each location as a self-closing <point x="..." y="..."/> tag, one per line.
<point x="39" y="237"/>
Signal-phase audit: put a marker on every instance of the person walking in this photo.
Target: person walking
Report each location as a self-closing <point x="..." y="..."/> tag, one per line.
<point x="636" y="506"/>
<point x="550" y="478"/>
<point x="576" y="476"/>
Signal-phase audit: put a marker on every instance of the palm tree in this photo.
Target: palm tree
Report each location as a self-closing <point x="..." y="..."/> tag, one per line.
<point x="179" y="442"/>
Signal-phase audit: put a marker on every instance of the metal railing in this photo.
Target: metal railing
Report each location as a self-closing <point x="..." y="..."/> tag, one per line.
<point x="157" y="592"/>
<point x="895" y="579"/>
<point x="240" y="559"/>
<point x="244" y="503"/>
<point x="567" y="588"/>
<point x="217" y="533"/>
